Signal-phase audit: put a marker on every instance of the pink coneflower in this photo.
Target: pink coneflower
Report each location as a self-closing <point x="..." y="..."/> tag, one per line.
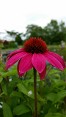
<point x="34" y="54"/>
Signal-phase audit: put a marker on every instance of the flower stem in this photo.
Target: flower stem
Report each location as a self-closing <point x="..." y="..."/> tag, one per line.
<point x="35" y="93"/>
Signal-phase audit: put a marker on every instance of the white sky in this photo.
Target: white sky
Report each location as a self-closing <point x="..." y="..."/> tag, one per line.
<point x="17" y="14"/>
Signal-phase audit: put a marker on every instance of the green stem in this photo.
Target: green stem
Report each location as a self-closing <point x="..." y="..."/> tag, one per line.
<point x="35" y="93"/>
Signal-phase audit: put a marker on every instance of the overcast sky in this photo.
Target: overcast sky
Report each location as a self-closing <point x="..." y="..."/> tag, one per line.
<point x="17" y="14"/>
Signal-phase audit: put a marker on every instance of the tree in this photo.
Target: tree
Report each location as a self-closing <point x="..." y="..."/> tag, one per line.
<point x="5" y="44"/>
<point x="34" y="31"/>
<point x="54" y="32"/>
<point x="17" y="36"/>
<point x="18" y="39"/>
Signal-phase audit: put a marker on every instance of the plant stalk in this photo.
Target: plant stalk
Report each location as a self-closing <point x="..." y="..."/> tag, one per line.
<point x="35" y="93"/>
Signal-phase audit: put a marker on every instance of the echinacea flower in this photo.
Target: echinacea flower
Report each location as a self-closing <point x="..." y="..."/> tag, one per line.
<point x="34" y="54"/>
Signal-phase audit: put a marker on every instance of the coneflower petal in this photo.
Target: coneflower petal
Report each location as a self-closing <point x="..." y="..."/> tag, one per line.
<point x="25" y="64"/>
<point x="58" y="57"/>
<point x="55" y="60"/>
<point x="14" y="52"/>
<point x="14" y="59"/>
<point x="42" y="74"/>
<point x="39" y="62"/>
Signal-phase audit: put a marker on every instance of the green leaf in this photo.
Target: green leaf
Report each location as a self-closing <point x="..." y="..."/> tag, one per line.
<point x="54" y="115"/>
<point x="1" y="79"/>
<point x="56" y="97"/>
<point x="4" y="88"/>
<point x="15" y="94"/>
<point x="24" y="90"/>
<point x="9" y="73"/>
<point x="53" y="72"/>
<point x="6" y="110"/>
<point x="21" y="109"/>
<point x="60" y="95"/>
<point x="51" y="96"/>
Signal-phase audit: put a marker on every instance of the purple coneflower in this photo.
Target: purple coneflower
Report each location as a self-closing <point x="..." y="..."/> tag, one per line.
<point x="34" y="54"/>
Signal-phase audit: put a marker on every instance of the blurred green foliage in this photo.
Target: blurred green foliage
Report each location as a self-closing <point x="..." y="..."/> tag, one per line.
<point x="17" y="94"/>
